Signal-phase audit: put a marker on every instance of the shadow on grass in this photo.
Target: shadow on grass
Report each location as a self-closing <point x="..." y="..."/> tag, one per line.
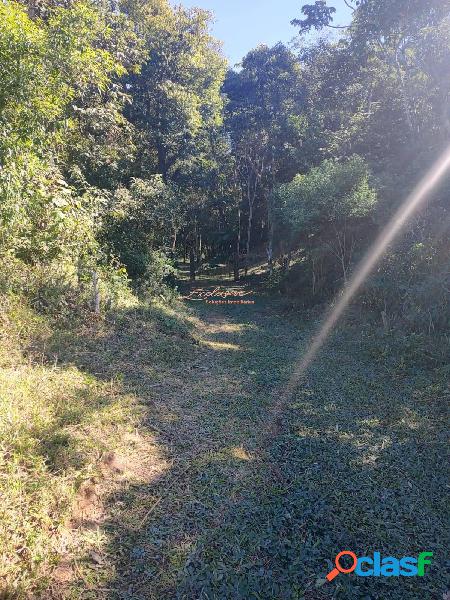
<point x="349" y="470"/>
<point x="190" y="406"/>
<point x="357" y="464"/>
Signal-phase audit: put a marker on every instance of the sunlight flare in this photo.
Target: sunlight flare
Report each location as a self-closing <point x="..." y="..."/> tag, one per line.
<point x="411" y="205"/>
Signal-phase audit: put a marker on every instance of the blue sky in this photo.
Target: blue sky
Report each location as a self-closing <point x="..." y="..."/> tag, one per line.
<point x="243" y="24"/>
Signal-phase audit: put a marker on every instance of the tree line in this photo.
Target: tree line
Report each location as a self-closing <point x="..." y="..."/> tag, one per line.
<point x="126" y="143"/>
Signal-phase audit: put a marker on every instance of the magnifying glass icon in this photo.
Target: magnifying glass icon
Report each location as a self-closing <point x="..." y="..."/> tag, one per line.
<point x="339" y="568"/>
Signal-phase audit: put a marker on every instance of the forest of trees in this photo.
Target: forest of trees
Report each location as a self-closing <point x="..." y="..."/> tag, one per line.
<point x="150" y="449"/>
<point x="125" y="142"/>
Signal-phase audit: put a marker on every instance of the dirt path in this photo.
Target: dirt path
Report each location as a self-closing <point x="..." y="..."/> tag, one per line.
<point x="223" y="511"/>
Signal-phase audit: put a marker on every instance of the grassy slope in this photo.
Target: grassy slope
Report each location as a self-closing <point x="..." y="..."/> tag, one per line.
<point x="199" y="503"/>
<point x="69" y="437"/>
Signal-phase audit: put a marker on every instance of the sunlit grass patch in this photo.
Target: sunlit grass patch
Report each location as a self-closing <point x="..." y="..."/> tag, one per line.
<point x="55" y="425"/>
<point x="221" y="346"/>
<point x="68" y="434"/>
<point x="241" y="453"/>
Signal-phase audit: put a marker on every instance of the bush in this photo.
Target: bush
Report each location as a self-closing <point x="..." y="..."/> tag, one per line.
<point x="411" y="285"/>
<point x="61" y="289"/>
<point x="159" y="278"/>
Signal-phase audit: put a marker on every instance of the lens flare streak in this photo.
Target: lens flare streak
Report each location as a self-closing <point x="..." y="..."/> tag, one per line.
<point x="409" y="207"/>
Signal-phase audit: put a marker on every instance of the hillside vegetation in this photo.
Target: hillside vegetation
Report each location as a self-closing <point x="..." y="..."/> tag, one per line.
<point x="156" y="447"/>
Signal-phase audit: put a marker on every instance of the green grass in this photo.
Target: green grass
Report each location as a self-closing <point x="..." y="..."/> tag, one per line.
<point x="55" y="424"/>
<point x="357" y="465"/>
<point x="208" y="504"/>
<point x="63" y="431"/>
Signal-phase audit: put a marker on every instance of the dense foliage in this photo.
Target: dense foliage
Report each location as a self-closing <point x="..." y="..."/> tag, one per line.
<point x="124" y="144"/>
<point x="160" y="452"/>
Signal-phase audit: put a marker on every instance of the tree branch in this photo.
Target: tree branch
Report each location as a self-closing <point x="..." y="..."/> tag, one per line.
<point x="352" y="8"/>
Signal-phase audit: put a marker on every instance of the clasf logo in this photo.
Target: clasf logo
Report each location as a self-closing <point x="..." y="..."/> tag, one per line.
<point x="375" y="566"/>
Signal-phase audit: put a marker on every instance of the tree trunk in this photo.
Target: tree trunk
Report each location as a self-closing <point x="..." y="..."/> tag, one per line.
<point x="341" y="252"/>
<point x="95" y="293"/>
<point x="174" y="242"/>
<point x="236" y="274"/>
<point x="199" y="252"/>
<point x="270" y="239"/>
<point x="238" y="249"/>
<point x="192" y="264"/>
<point x="162" y="158"/>
<point x="249" y="233"/>
<point x="79" y="271"/>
